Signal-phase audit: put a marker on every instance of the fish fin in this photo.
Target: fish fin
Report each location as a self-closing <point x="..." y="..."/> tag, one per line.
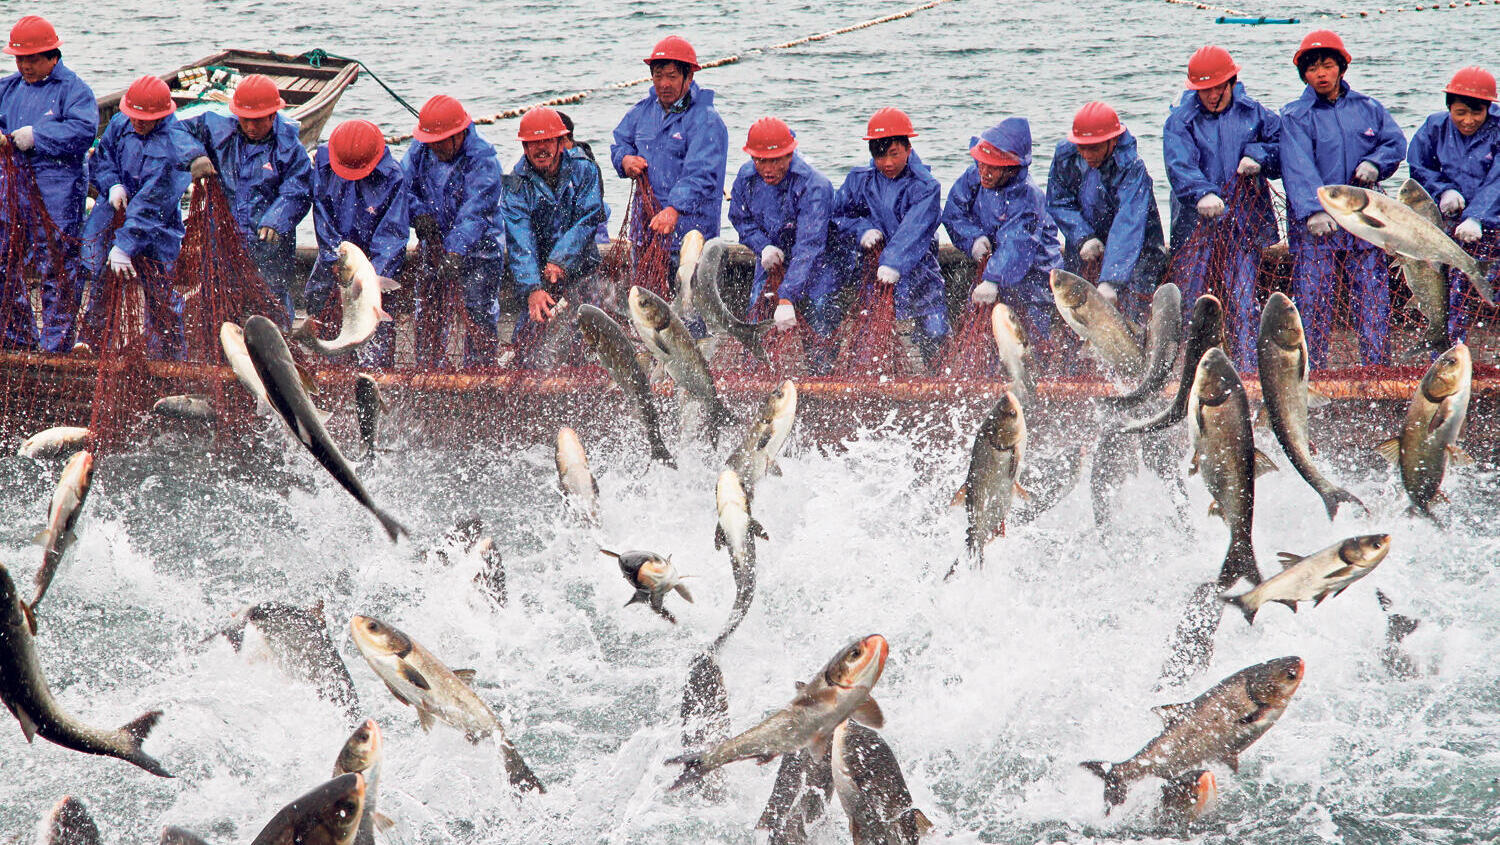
<point x="1385" y="600"/>
<point x="692" y="769"/>
<point x="1239" y="562"/>
<point x="720" y="540"/>
<point x="410" y="673"/>
<point x="869" y="714"/>
<point x="1288" y="559"/>
<point x="382" y="316"/>
<point x="1022" y="492"/>
<point x="1316" y="398"/>
<point x="758" y="530"/>
<point x="799" y="685"/>
<point x="1193" y="465"/>
<point x="39" y="538"/>
<point x="1390" y="450"/>
<point x="1264" y="464"/>
<point x="517" y="772"/>
<point x="425" y="718"/>
<point x="1484" y="268"/>
<point x="914" y="824"/>
<point x="465" y="675"/>
<point x="1439" y="416"/>
<point x="1232" y="760"/>
<point x="1171" y="714"/>
<point x="388" y="284"/>
<point x="1458" y="456"/>
<point x="682" y="590"/>
<point x="323" y="416"/>
<point x="1214" y="509"/>
<point x="1292" y="603"/>
<point x="28" y="726"/>
<point x="383" y="822"/>
<point x="393" y="529"/>
<point x="639" y="597"/>
<point x="305" y="375"/>
<point x="960" y="496"/>
<point x="1244" y="606"/>
<point x="1114" y="788"/>
<point x="30" y="616"/>
<point x="773" y="468"/>
<point x="609" y="553"/>
<point x="140" y="727"/>
<point x="1262" y="416"/>
<point x="1440" y="496"/>
<point x="1343" y="572"/>
<point x="1339" y="495"/>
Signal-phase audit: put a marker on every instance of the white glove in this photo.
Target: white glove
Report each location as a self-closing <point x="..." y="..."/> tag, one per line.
<point x="785" y="316"/>
<point x="871" y="239"/>
<point x="1210" y="206"/>
<point x="118" y="197"/>
<point x="1092" y="250"/>
<point x="23" y="138"/>
<point x="1451" y="202"/>
<point x="1469" y="231"/>
<point x="772" y="257"/>
<point x="981" y="248"/>
<point x="120" y="262"/>
<point x="984" y="293"/>
<point x="887" y="275"/>
<point x="1320" y="224"/>
<point x="1108" y="291"/>
<point x="1367" y="173"/>
<point x="1248" y="167"/>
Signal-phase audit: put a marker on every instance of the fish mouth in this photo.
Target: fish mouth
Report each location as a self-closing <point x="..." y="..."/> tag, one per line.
<point x="377" y="636"/>
<point x="870" y="665"/>
<point x="1341" y="198"/>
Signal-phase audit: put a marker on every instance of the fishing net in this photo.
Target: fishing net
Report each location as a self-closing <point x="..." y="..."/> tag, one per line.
<point x="868" y="345"/>
<point x="641" y="256"/>
<point x="970" y="351"/>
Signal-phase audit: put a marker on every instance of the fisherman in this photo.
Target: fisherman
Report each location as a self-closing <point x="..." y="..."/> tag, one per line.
<point x="1100" y="194"/>
<point x="1455" y="155"/>
<point x="49" y="116"/>
<point x="891" y="207"/>
<point x="1221" y="147"/>
<point x="1334" y="135"/>
<point x="359" y="195"/>
<point x="779" y="206"/>
<point x="553" y="204"/>
<point x="999" y="217"/>
<point x="140" y="169"/>
<point x="454" y="178"/>
<point x="267" y="178"/>
<point x="678" y="141"/>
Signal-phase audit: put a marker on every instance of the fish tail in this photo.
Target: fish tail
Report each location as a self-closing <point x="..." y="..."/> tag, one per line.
<point x="134" y="733"/>
<point x="1245" y="607"/>
<point x="721" y="418"/>
<point x="1338" y="495"/>
<point x="693" y="769"/>
<point x="1114" y="786"/>
<point x="660" y="452"/>
<point x="1483" y="269"/>
<point x="393" y="529"/>
<point x="520" y="774"/>
<point x="1239" y="562"/>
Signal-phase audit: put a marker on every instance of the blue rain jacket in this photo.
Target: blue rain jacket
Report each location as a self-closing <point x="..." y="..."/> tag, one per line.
<point x="64" y="119"/>
<point x="1322" y="143"/>
<point x="370" y="213"/>
<point x="792" y="216"/>
<point x="267" y="182"/>
<point x="154" y="171"/>
<point x="1013" y="216"/>
<point x="1203" y="151"/>
<point x="1442" y="159"/>
<point x="547" y="223"/>
<point x="687" y="153"/>
<point x="462" y="195"/>
<point x="1113" y="203"/>
<point x="907" y="211"/>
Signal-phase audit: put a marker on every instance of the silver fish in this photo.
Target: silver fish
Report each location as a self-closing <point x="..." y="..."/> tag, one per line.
<point x="573" y="475"/>
<point x="1224" y="453"/>
<point x="705" y="715"/>
<point x="62" y="517"/>
<point x="195" y="407"/>
<point x="1205" y="331"/>
<point x="653" y="577"/>
<point x="1429" y="435"/>
<point x="69" y="823"/>
<point x="56" y="442"/>
<point x="298" y="639"/>
<point x="1317" y="576"/>
<point x="328" y="815"/>
<point x="803" y="787"/>
<point x="872" y="790"/>
<point x="616" y="354"/>
<point x="359" y="296"/>
<point x="363" y="752"/>
<point x="687" y="266"/>
<point x="669" y="342"/>
<point x="756" y="454"/>
<point x="1013" y="347"/>
<point x="1099" y="324"/>
<point x="1163" y="336"/>
<point x="1428" y="280"/>
<point x="995" y="462"/>
<point x="737" y="530"/>
<point x="708" y="300"/>
<point x="369" y="404"/>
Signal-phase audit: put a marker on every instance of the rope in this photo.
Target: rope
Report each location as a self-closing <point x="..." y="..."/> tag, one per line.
<point x="580" y="95"/>
<point x="315" y="58"/>
<point x="1421" y="7"/>
<point x="1239" y="13"/>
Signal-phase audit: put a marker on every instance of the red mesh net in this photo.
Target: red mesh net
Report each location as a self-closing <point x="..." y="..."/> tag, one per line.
<point x="642" y="256"/>
<point x="970" y="351"/>
<point x="868" y="346"/>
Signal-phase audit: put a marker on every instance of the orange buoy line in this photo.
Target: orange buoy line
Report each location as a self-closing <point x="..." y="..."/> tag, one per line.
<point x="1420" y="7"/>
<point x="578" y="96"/>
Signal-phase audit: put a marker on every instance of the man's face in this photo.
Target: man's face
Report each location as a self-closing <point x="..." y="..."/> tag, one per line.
<point x="448" y="148"/>
<point x="893" y="160"/>
<point x="144" y="127"/>
<point x="545" y="156"/>
<point x="1323" y="75"/>
<point x="256" y="128"/>
<point x="35" y="68"/>
<point x="1217" y="98"/>
<point x="1094" y="155"/>
<point x="773" y="170"/>
<point x="1465" y="119"/>
<point x="670" y="83"/>
<point x="993" y="176"/>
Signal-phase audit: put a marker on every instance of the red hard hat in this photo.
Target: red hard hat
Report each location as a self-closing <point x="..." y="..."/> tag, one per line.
<point x="1095" y="123"/>
<point x="1472" y="82"/>
<point x="674" y="48"/>
<point x="31" y="35"/>
<point x="441" y="117"/>
<point x="256" y="96"/>
<point x="541" y="124"/>
<point x="769" y="138"/>
<point x="1210" y="66"/>
<point x="355" y="148"/>
<point x="986" y="153"/>
<point x="889" y="123"/>
<point x="1322" y="39"/>
<point x="147" y="98"/>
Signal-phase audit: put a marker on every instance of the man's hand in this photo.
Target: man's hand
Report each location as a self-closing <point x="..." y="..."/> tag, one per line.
<point x="540" y="304"/>
<point x="887" y="275"/>
<point x="1469" y="231"/>
<point x="985" y="293"/>
<point x="633" y="166"/>
<point x="554" y="274"/>
<point x="1451" y="202"/>
<point x="1108" y="291"/>
<point x="268" y="235"/>
<point x="665" y="221"/>
<point x="785" y="316"/>
<point x="1092" y="250"/>
<point x="1210" y="206"/>
<point x="425" y="225"/>
<point x="1366" y="173"/>
<point x="120" y="263"/>
<point x="981" y="248"/>
<point x="24" y="138"/>
<point x="772" y="257"/>
<point x="871" y="238"/>
<point x="202" y="168"/>
<point x="1320" y="224"/>
<point x="1248" y="167"/>
<point x="118" y="197"/>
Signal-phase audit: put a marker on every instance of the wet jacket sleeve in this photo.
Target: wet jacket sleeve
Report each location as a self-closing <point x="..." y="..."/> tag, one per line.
<point x="1299" y="173"/>
<point x="624" y="144"/>
<point x="103" y="169"/>
<point x="294" y="194"/>
<point x="1062" y="202"/>
<point x="1485" y="204"/>
<point x="813" y="207"/>
<point x="1265" y="145"/>
<point x="851" y="214"/>
<point x="912" y="240"/>
<point x="958" y="213"/>
<point x="324" y="215"/>
<point x="520" y="238"/>
<point x="742" y="216"/>
<point x="1390" y="143"/>
<point x="482" y="195"/>
<point x="388" y="241"/>
<point x="71" y="132"/>
<point x="1015" y="243"/>
<point x="700" y="185"/>
<point x="1422" y="157"/>
<point x="163" y="180"/>
<point x="1122" y="249"/>
<point x="416" y="203"/>
<point x="570" y="249"/>
<point x="1184" y="163"/>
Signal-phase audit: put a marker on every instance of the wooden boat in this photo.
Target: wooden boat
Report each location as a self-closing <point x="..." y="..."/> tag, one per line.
<point x="310" y="92"/>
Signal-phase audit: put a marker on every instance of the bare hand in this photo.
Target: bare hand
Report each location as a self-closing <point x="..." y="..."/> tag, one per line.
<point x="268" y="234"/>
<point x="540" y="304"/>
<point x="554" y="274"/>
<point x="633" y="166"/>
<point x="665" y="221"/>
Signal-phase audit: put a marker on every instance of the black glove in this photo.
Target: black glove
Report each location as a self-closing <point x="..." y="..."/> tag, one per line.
<point x="425" y="226"/>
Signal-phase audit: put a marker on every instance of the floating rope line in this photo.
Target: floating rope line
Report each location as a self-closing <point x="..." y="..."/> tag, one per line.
<point x="578" y="96"/>
<point x="1208" y="7"/>
<point x="1420" y="7"/>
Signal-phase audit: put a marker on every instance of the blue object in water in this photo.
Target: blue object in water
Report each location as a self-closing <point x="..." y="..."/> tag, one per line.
<point x="1254" y="21"/>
